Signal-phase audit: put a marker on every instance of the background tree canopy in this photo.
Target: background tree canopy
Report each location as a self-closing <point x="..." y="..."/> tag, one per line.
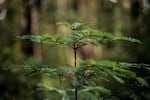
<point x="31" y="17"/>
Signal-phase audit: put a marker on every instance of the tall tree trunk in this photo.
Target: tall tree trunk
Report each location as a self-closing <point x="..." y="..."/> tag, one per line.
<point x="31" y="18"/>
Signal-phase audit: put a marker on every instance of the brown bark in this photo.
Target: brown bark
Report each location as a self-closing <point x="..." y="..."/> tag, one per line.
<point x="31" y="28"/>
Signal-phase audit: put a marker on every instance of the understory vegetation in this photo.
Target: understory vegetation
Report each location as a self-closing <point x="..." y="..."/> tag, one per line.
<point x="89" y="79"/>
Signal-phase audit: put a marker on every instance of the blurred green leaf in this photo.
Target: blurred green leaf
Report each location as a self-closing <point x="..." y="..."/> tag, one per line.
<point x="117" y="70"/>
<point x="128" y="39"/>
<point x="96" y="88"/>
<point x="87" y="95"/>
<point x="142" y="81"/>
<point x="49" y="88"/>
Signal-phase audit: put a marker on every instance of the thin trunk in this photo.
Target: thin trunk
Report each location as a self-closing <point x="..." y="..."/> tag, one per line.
<point x="75" y="63"/>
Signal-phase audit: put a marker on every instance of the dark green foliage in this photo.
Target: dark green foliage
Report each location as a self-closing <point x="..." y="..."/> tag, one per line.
<point x="118" y="70"/>
<point x="81" y="80"/>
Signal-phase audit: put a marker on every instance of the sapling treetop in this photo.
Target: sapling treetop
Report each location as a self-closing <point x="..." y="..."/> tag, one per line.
<point x="81" y="80"/>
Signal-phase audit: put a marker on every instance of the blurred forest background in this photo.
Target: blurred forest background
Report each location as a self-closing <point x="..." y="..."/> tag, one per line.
<point x="18" y="17"/>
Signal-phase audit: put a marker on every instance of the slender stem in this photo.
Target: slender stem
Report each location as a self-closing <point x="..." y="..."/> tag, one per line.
<point x="75" y="64"/>
<point x="75" y="57"/>
<point x="76" y="93"/>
